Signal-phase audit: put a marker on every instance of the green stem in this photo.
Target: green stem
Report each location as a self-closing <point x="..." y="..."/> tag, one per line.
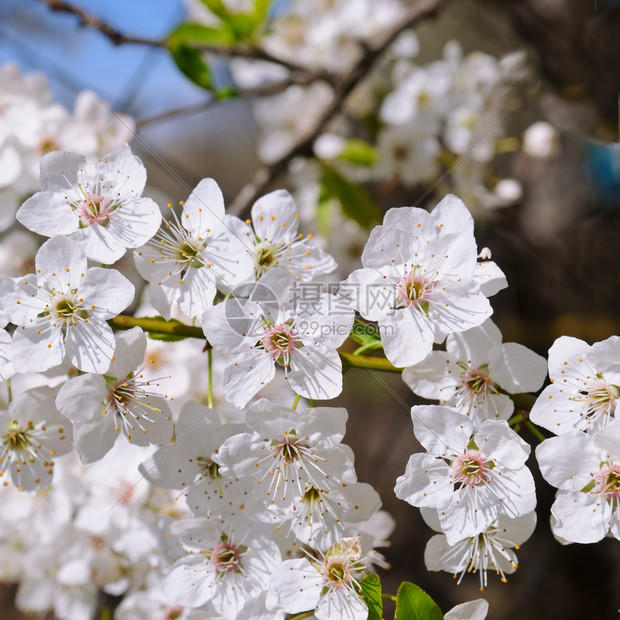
<point x="9" y="390"/>
<point x="306" y="614"/>
<point x="210" y="375"/>
<point x="365" y="347"/>
<point x="535" y="431"/>
<point x="174" y="328"/>
<point x="517" y="418"/>
<point x="369" y="362"/>
<point x="296" y="402"/>
<point x="389" y="597"/>
<point x="157" y="326"/>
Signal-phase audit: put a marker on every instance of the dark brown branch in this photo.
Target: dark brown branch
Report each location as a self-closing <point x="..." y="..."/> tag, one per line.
<point x="90" y="21"/>
<point x="342" y="88"/>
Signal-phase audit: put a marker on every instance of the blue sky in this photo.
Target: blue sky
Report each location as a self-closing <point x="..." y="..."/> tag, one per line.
<point x="140" y="79"/>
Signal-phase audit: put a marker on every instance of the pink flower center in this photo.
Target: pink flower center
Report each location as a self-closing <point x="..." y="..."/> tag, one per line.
<point x="94" y="209"/>
<point x="226" y="558"/>
<point x="471" y="468"/>
<point x="414" y="290"/>
<point x="337" y="571"/>
<point x="475" y="382"/>
<point x="608" y="482"/>
<point x="280" y="341"/>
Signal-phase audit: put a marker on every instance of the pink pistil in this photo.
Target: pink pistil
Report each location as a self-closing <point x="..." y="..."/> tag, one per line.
<point x="226" y="558"/>
<point x="608" y="482"/>
<point x="470" y="468"/>
<point x="280" y="341"/>
<point x="94" y="210"/>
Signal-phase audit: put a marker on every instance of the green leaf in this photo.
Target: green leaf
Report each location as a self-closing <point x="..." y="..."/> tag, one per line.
<point x="366" y="334"/>
<point x="218" y="8"/>
<point x="412" y="603"/>
<point x="243" y="24"/>
<point x="261" y="9"/>
<point x="355" y="201"/>
<point x="358" y="152"/>
<point x="190" y="62"/>
<point x="190" y="33"/>
<point x="371" y="591"/>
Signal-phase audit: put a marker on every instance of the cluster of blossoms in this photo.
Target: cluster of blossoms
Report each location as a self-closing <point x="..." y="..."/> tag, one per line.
<point x="228" y="496"/>
<point x="224" y="509"/>
<point x="31" y="125"/>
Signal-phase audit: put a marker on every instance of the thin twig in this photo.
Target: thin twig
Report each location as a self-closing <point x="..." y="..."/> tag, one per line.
<point x="119" y="38"/>
<point x="342" y="88"/>
<point x="90" y="21"/>
<point x="272" y="88"/>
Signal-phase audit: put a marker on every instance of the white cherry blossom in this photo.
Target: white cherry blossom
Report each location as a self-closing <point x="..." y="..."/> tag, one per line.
<point x="585" y="385"/>
<point x="121" y="401"/>
<point x="288" y="450"/>
<point x="279" y="326"/>
<point x="470" y="478"/>
<point x="490" y="550"/>
<point x="420" y="280"/>
<point x="190" y="463"/>
<point x="98" y="202"/>
<point x="61" y="310"/>
<point x="225" y="567"/>
<point x="475" y="371"/>
<point x="272" y="239"/>
<point x="328" y="583"/>
<point x="32" y="435"/>
<point x="586" y="470"/>
<point x="190" y="257"/>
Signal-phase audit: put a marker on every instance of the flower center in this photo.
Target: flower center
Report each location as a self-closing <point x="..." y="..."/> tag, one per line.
<point x="602" y="398"/>
<point x="94" y="209"/>
<point x="280" y="341"/>
<point x="475" y="382"/>
<point x="16" y="437"/>
<point x="471" y="468"/>
<point x="311" y="496"/>
<point x="608" y="482"/>
<point x="209" y="468"/>
<point x="264" y="256"/>
<point x="48" y="144"/>
<point x="188" y="252"/>
<point x="66" y="308"/>
<point x="414" y="290"/>
<point x="226" y="558"/>
<point x="337" y="572"/>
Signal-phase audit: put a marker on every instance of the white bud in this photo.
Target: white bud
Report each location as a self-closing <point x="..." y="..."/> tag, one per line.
<point x="540" y="140"/>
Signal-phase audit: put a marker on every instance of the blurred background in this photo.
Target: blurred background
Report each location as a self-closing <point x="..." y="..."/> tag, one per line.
<point x="557" y="237"/>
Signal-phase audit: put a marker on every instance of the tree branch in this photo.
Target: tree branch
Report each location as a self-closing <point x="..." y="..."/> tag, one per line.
<point x="90" y="21"/>
<point x="119" y="38"/>
<point x="156" y="325"/>
<point x="342" y="88"/>
<point x="272" y="88"/>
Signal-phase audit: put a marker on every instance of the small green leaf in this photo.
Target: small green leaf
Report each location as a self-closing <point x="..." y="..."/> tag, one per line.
<point x="371" y="591"/>
<point x="358" y="152"/>
<point x="243" y="24"/>
<point x="190" y="62"/>
<point x="412" y="603"/>
<point x="218" y="8"/>
<point x="366" y="334"/>
<point x="261" y="9"/>
<point x="355" y="201"/>
<point x="190" y="33"/>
